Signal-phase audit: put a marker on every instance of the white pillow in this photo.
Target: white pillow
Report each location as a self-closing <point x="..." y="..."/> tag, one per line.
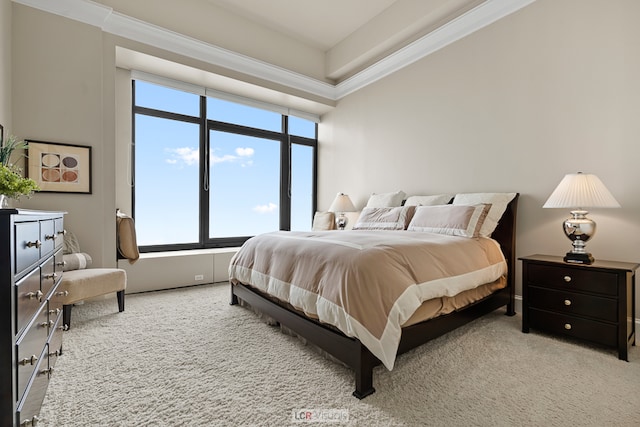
<point x="454" y="220"/>
<point x="324" y="221"/>
<point x="439" y="199"/>
<point x="498" y="201"/>
<point x="395" y="218"/>
<point x="386" y="200"/>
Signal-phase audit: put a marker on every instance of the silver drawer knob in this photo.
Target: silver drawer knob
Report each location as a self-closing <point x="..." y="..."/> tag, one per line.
<point x="567" y="326"/>
<point x="567" y="302"/>
<point x="37" y="295"/>
<point x="30" y="422"/>
<point x="28" y="360"/>
<point x="35" y="244"/>
<point x="567" y="279"/>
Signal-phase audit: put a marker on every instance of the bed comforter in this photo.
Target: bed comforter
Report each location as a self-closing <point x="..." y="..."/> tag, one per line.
<point x="365" y="283"/>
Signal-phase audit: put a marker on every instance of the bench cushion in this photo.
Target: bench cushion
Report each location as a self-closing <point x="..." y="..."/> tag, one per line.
<point x="92" y="282"/>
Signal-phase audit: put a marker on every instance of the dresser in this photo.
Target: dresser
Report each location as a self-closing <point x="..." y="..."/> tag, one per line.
<point x="593" y="302"/>
<point x="31" y="327"/>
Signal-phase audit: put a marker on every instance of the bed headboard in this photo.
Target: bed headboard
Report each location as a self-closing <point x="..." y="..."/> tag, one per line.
<point x="505" y="235"/>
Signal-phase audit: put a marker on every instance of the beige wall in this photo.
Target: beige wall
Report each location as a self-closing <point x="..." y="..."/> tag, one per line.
<point x="5" y="65"/>
<point x="549" y="90"/>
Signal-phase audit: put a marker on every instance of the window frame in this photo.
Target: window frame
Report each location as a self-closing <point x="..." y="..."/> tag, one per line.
<point x="285" y="139"/>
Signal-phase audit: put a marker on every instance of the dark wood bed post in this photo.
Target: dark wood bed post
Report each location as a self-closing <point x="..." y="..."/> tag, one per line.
<point x="355" y="355"/>
<point x="505" y="234"/>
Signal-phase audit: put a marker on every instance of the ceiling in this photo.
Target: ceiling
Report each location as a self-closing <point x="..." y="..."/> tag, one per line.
<point x="318" y="23"/>
<point x="362" y="40"/>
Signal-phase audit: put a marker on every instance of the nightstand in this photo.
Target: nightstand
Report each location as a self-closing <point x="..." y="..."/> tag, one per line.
<point x="593" y="302"/>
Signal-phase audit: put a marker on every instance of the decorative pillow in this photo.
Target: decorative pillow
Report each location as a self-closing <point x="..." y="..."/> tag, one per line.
<point x="386" y="200"/>
<point x="76" y="261"/>
<point x="324" y="221"/>
<point x="70" y="243"/>
<point x="454" y="220"/>
<point x="498" y="201"/>
<point x="390" y="218"/>
<point x="439" y="199"/>
<point x="127" y="241"/>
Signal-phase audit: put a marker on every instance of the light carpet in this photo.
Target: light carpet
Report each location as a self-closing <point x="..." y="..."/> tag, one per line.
<point x="187" y="358"/>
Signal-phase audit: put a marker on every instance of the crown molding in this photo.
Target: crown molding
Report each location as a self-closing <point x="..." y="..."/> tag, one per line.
<point x="456" y="29"/>
<point x="107" y="20"/>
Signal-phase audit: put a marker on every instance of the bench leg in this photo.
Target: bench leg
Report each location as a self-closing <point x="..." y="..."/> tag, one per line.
<point x="120" y="295"/>
<point x="66" y="316"/>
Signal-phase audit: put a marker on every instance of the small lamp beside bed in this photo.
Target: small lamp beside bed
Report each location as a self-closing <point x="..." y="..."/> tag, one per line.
<point x="341" y="204"/>
<point x="576" y="192"/>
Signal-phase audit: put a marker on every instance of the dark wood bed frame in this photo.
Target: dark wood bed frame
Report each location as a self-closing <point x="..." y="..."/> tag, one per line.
<point x="353" y="353"/>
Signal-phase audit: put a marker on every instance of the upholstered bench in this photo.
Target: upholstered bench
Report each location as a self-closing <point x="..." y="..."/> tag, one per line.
<point x="79" y="285"/>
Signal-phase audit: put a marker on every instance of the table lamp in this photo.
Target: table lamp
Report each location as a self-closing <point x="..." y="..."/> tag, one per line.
<point x="578" y="191"/>
<point x="341" y="204"/>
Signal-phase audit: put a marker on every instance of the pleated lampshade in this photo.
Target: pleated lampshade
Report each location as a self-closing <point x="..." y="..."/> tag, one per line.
<point x="581" y="190"/>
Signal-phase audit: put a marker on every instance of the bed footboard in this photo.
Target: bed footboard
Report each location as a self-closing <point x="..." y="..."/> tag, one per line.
<point x="348" y="350"/>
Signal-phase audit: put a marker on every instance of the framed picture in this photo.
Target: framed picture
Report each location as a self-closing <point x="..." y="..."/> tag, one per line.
<point x="59" y="168"/>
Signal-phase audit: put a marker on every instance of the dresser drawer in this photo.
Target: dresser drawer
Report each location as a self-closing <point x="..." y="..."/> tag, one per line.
<point x="58" y="260"/>
<point x="59" y="232"/>
<point x="27" y="245"/>
<point x="48" y="276"/>
<point x="29" y="298"/>
<point x="47" y="236"/>
<point x="29" y="406"/>
<point x="591" y="330"/>
<point x="574" y="303"/>
<point x="29" y="348"/>
<point x="567" y="278"/>
<point x="55" y="342"/>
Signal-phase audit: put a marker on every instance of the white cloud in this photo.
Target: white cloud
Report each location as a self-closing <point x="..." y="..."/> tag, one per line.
<point x="223" y="159"/>
<point x="244" y="152"/>
<point x="268" y="208"/>
<point x="243" y="155"/>
<point x="186" y="155"/>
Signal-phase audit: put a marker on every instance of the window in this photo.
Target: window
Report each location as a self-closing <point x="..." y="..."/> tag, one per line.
<point x="210" y="172"/>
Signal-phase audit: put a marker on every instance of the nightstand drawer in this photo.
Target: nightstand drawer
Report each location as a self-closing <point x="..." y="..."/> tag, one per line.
<point x="591" y="330"/>
<point x="566" y="278"/>
<point x="573" y="303"/>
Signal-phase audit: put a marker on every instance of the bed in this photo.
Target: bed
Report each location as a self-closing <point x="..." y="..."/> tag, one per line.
<point x="398" y="280"/>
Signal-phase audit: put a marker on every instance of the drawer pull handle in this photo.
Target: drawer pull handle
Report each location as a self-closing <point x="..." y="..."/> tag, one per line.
<point x="52" y="276"/>
<point x="48" y="324"/>
<point x="63" y="232"/>
<point x="64" y="327"/>
<point x="37" y="295"/>
<point x="30" y="422"/>
<point x="35" y="244"/>
<point x="56" y="311"/>
<point x="28" y="360"/>
<point x="567" y="326"/>
<point x="49" y="237"/>
<point x="48" y="371"/>
<point x="567" y="302"/>
<point x="61" y="263"/>
<point x="567" y="279"/>
<point x="62" y="293"/>
<point x="54" y="353"/>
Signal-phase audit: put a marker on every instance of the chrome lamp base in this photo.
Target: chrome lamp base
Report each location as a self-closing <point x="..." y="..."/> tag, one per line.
<point x="579" y="229"/>
<point x="578" y="258"/>
<point x="341" y="222"/>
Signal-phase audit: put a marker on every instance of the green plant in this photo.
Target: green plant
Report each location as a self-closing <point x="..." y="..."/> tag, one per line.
<point x="12" y="183"/>
<point x="8" y="147"/>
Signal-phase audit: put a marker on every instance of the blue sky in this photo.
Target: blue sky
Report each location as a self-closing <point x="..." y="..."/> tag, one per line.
<point x="244" y="175"/>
